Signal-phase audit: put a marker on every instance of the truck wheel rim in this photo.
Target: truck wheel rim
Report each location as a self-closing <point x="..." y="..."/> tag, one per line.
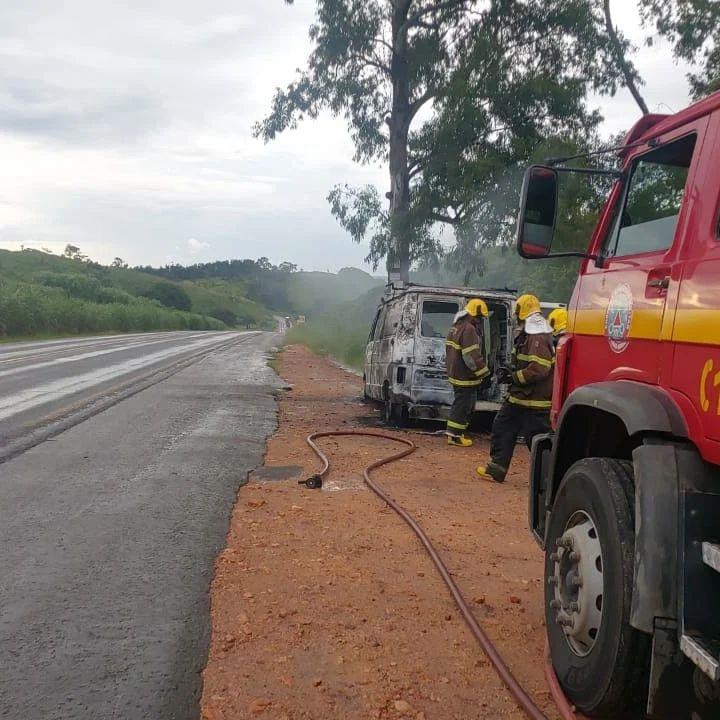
<point x="577" y="579"/>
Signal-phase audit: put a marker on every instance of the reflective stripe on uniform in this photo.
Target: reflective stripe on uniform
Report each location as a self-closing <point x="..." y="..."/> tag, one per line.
<point x="520" y="377"/>
<point x="483" y="371"/>
<point x="536" y="359"/>
<point x="463" y="383"/>
<point x="470" y="348"/>
<point x="453" y="344"/>
<point x="456" y="426"/>
<point x="541" y="404"/>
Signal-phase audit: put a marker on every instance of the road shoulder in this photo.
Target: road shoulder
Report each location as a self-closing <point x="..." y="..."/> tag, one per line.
<point x="325" y="606"/>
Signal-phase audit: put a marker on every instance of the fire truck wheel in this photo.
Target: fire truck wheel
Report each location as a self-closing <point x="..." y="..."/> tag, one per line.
<point x="601" y="661"/>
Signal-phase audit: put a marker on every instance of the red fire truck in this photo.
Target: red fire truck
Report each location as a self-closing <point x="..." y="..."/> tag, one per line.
<point x="625" y="493"/>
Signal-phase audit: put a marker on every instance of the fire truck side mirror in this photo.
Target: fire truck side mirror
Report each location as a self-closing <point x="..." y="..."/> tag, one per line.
<point x="538" y="212"/>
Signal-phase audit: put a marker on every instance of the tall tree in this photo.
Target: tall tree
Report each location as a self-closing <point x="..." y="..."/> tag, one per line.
<point x="500" y="73"/>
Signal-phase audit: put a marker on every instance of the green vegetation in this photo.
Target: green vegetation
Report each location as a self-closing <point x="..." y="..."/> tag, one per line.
<point x="45" y="295"/>
<point x="457" y="98"/>
<point x="28" y="309"/>
<point x="315" y="293"/>
<point x="339" y="309"/>
<point x="342" y="331"/>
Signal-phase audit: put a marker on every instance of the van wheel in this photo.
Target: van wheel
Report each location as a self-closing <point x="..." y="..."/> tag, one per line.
<point x="601" y="661"/>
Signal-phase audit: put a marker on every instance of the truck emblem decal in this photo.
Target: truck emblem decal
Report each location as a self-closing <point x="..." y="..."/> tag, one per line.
<point x="618" y="318"/>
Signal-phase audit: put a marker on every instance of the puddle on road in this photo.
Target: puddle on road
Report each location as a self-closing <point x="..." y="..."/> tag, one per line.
<point x="277" y="472"/>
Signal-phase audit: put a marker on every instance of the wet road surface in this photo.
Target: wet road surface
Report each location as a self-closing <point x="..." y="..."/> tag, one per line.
<point x="110" y="528"/>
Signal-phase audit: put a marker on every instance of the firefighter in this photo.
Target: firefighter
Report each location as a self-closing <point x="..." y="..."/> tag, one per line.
<point x="466" y="368"/>
<point x="558" y="320"/>
<point x="526" y="410"/>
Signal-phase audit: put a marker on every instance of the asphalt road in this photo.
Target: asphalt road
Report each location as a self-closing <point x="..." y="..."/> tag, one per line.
<point x="112" y="515"/>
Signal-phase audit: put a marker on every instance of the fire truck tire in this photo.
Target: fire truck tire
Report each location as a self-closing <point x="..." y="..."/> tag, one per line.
<point x="601" y="661"/>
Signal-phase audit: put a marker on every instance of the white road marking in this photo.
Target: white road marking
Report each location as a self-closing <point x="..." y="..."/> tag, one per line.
<point x="84" y="356"/>
<point x="48" y="392"/>
<point x="29" y="347"/>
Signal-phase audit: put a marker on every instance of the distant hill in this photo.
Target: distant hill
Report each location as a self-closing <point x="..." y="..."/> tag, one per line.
<point x="279" y="287"/>
<point x="45" y="294"/>
<point x="315" y="293"/>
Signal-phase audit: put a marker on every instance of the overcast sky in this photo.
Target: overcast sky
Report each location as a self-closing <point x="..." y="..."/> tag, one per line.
<point x="125" y="129"/>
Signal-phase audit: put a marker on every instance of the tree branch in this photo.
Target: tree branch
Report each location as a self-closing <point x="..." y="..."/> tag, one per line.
<point x="371" y="62"/>
<point x="622" y="62"/>
<point x="422" y="100"/>
<point x="418" y="15"/>
<point x="444" y="218"/>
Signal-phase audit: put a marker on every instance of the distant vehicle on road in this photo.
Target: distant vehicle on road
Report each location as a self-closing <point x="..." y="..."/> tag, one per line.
<point x="405" y="354"/>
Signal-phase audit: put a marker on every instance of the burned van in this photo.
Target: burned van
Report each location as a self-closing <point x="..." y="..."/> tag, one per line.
<point x="405" y="354"/>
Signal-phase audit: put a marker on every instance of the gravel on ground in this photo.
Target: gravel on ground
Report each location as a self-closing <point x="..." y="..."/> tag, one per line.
<point x="325" y="605"/>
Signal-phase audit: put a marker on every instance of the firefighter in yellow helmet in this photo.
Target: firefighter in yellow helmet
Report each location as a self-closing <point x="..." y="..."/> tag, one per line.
<point x="526" y="410"/>
<point x="466" y="368"/>
<point x="558" y="320"/>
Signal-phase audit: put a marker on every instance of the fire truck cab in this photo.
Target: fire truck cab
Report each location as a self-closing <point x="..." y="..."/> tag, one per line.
<point x="625" y="493"/>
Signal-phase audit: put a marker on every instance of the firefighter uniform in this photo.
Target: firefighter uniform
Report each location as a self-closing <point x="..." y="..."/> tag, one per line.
<point x="466" y="369"/>
<point x="526" y="410"/>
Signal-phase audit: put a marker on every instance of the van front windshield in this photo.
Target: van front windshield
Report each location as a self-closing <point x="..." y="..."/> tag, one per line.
<point x="437" y="317"/>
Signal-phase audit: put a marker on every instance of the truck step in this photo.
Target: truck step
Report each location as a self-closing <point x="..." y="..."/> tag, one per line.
<point x="711" y="555"/>
<point x="699" y="653"/>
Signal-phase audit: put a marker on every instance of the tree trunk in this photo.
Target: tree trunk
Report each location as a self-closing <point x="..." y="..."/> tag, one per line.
<point x="399" y="124"/>
<point x="622" y="62"/>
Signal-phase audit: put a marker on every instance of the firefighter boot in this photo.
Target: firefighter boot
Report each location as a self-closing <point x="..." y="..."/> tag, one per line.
<point x="492" y="472"/>
<point x="459" y="441"/>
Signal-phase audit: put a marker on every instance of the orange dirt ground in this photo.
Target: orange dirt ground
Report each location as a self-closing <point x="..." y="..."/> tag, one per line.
<point x="325" y="605"/>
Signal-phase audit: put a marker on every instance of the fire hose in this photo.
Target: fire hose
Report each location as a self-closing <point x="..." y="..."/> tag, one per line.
<point x="523" y="700"/>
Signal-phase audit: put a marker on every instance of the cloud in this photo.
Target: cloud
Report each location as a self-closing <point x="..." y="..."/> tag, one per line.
<point x="77" y="117"/>
<point x="126" y="127"/>
<point x="197" y="246"/>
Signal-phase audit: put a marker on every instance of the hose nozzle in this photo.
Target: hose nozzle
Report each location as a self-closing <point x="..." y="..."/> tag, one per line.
<point x="314" y="482"/>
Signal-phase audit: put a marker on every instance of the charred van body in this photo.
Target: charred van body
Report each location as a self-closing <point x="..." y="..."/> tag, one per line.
<point x="405" y="354"/>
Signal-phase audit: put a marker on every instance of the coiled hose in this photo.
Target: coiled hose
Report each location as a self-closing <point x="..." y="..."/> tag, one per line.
<point x="524" y="701"/>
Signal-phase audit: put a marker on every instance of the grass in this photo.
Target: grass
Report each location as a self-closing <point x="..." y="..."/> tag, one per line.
<point x="274" y="363"/>
<point x="210" y="296"/>
<point x="315" y="293"/>
<point x="46" y="296"/>
<point x="341" y="334"/>
<point x="27" y="309"/>
<point x="42" y="295"/>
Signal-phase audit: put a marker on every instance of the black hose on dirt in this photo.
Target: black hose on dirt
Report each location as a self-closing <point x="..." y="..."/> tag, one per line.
<point x="523" y="699"/>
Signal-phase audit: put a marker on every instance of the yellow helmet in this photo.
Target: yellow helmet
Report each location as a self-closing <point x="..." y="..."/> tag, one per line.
<point x="526" y="305"/>
<point x="558" y="320"/>
<point x="476" y="307"/>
